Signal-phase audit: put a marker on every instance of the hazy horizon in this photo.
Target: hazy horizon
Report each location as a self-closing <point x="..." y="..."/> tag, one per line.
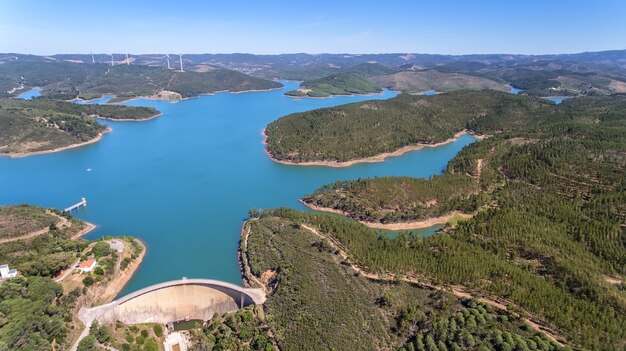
<point x="314" y="54"/>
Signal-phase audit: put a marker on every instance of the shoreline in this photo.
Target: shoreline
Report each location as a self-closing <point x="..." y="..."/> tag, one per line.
<point x="335" y="96"/>
<point x="143" y="97"/>
<point x="421" y="224"/>
<point x="131" y="119"/>
<point x="372" y="159"/>
<point x="124" y="276"/>
<point x="88" y="228"/>
<point x="90" y="100"/>
<point x="59" y="149"/>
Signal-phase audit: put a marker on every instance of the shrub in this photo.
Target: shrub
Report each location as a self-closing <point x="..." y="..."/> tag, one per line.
<point x="158" y="330"/>
<point x="88" y="281"/>
<point x="150" y="345"/>
<point x="87" y="344"/>
<point x="101" y="249"/>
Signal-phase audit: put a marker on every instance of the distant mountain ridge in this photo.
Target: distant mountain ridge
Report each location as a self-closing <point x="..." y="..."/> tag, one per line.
<point x="586" y="73"/>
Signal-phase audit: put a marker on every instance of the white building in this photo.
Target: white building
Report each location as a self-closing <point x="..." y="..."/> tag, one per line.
<point x="5" y="272"/>
<point x="87" y="266"/>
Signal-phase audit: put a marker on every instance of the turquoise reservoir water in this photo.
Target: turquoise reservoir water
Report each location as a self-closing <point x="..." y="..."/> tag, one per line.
<point x="184" y="182"/>
<point x="557" y="99"/>
<point x="27" y="95"/>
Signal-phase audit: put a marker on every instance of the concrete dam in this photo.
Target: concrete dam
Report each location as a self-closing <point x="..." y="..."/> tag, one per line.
<point x="175" y="300"/>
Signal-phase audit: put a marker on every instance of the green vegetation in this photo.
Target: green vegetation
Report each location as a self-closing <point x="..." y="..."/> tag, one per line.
<point x="33" y="314"/>
<point x="370" y="128"/>
<point x="101" y="249"/>
<point x="143" y="337"/>
<point x="472" y="327"/>
<point x="43" y="255"/>
<point x="40" y="125"/>
<point x="370" y="69"/>
<point x="400" y="199"/>
<point x="245" y="329"/>
<point x="62" y="80"/>
<point x="424" y="80"/>
<point x="23" y="219"/>
<point x="317" y="300"/>
<point x="562" y="82"/>
<point x="87" y="344"/>
<point x="346" y="83"/>
<point x="35" y="311"/>
<point x="548" y="233"/>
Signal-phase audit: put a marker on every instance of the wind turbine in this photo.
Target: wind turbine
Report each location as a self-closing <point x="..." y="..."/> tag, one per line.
<point x="112" y="64"/>
<point x="92" y="59"/>
<point x="127" y="61"/>
<point x="181" y="62"/>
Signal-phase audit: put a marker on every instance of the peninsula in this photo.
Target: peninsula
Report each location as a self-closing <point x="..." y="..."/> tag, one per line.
<point x="511" y="192"/>
<point x="515" y="252"/>
<point x="42" y="126"/>
<point x="89" y="81"/>
<point x="57" y="273"/>
<point x="372" y="130"/>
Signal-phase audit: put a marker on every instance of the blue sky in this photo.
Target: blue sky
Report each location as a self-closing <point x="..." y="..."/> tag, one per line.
<point x="319" y="26"/>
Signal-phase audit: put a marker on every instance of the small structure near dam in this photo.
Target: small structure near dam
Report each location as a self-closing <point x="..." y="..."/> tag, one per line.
<point x="79" y="204"/>
<point x="175" y="300"/>
<point x="172" y="301"/>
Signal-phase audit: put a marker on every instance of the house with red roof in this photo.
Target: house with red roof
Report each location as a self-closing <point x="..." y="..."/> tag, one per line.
<point x="87" y="266"/>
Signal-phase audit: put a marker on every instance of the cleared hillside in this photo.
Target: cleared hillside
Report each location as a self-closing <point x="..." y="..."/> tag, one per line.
<point x="417" y="81"/>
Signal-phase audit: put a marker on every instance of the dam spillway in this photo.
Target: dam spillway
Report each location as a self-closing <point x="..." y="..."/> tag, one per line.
<point x="175" y="300"/>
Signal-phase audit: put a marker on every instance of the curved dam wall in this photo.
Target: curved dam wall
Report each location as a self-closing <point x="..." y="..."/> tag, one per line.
<point x="171" y="301"/>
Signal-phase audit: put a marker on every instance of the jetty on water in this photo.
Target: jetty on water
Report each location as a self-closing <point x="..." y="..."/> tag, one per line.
<point x="82" y="203"/>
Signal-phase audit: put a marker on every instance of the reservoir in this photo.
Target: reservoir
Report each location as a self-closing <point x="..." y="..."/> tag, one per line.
<point x="30" y="94"/>
<point x="184" y="182"/>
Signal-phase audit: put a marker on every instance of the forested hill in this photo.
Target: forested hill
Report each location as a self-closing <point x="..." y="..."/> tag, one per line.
<point x="337" y="84"/>
<point x="369" y="128"/>
<point x="548" y="227"/>
<point x="41" y="125"/>
<point x="353" y="80"/>
<point x="317" y="301"/>
<point x="64" y="80"/>
<point x="578" y="151"/>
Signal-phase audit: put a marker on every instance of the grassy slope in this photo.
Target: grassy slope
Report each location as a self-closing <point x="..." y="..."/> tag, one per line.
<point x="369" y="128"/>
<point x="40" y="125"/>
<point x="417" y="81"/>
<point x="22" y="219"/>
<point x="43" y="255"/>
